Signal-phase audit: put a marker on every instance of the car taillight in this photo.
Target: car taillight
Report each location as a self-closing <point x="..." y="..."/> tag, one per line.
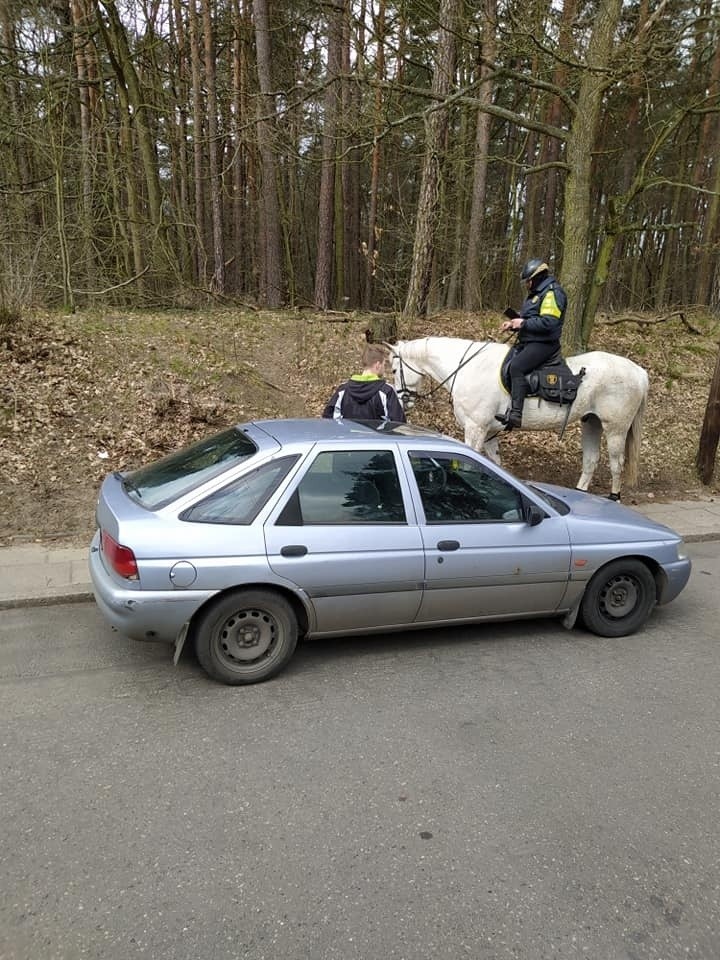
<point x="120" y="558"/>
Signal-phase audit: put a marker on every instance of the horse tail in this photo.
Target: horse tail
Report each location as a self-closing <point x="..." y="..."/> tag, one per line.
<point x="632" y="443"/>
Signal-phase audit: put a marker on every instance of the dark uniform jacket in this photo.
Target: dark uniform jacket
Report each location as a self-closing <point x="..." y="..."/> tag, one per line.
<point x="543" y="313"/>
<point x="364" y="398"/>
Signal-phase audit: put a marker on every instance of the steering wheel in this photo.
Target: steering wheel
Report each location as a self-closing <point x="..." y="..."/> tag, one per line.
<point x="434" y="481"/>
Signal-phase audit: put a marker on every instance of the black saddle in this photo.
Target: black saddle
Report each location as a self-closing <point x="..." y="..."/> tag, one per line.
<point x="553" y="381"/>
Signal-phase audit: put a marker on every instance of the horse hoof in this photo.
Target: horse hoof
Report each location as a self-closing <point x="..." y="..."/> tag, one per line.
<point x="613" y="496"/>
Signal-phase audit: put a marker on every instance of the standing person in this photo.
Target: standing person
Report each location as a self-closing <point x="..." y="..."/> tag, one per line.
<point x="539" y="328"/>
<point x="366" y="395"/>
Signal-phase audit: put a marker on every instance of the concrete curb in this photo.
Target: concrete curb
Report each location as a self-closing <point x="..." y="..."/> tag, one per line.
<point x="12" y="603"/>
<point x="701" y="537"/>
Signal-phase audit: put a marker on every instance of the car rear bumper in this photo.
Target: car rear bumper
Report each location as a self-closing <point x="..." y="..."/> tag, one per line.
<point x="142" y="614"/>
<point x="676" y="577"/>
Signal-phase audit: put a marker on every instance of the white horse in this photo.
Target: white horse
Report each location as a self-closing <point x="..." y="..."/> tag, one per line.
<point x="611" y="397"/>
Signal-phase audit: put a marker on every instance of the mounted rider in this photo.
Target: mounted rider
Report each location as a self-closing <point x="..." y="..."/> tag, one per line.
<point x="539" y="328"/>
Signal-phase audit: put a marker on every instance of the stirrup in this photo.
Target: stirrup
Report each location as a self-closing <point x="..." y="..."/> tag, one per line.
<point x="509" y="419"/>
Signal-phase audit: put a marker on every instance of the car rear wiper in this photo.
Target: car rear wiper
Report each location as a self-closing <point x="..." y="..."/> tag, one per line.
<point x="128" y="484"/>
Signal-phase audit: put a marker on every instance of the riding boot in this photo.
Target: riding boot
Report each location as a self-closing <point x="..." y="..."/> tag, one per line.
<point x="518" y="391"/>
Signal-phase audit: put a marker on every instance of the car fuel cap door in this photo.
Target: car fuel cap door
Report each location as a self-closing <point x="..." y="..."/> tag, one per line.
<point x="183" y="574"/>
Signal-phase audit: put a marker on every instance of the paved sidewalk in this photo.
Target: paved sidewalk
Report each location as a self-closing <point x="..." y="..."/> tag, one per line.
<point x="35" y="574"/>
<point x="39" y="574"/>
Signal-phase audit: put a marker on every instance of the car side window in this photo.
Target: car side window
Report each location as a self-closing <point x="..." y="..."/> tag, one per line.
<point x="241" y="501"/>
<point x="457" y="489"/>
<point x="347" y="487"/>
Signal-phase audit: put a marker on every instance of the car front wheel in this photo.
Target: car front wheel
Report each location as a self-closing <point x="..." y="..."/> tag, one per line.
<point x="618" y="599"/>
<point x="247" y="636"/>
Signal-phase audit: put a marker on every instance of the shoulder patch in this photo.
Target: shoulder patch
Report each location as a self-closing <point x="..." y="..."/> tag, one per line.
<point x="549" y="306"/>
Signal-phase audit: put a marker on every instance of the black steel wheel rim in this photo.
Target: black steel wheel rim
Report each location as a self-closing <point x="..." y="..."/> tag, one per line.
<point x="246" y="638"/>
<point x="619" y="597"/>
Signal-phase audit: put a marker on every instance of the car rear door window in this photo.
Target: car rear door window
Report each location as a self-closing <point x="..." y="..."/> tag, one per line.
<point x="347" y="487"/>
<point x="241" y="501"/>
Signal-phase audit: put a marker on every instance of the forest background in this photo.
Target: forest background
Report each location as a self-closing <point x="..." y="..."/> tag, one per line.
<point x="347" y="158"/>
<point x="359" y="154"/>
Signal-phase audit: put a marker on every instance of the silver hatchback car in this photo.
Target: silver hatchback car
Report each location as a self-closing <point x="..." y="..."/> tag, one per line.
<point x="277" y="529"/>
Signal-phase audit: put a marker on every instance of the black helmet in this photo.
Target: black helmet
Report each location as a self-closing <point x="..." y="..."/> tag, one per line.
<point x="532" y="268"/>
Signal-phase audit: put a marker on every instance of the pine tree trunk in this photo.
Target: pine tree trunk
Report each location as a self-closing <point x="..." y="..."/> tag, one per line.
<point x="373" y="234"/>
<point x="199" y="111"/>
<point x="436" y="119"/>
<point x="477" y="232"/>
<point x="271" y="288"/>
<point x="551" y="218"/>
<point x="123" y="61"/>
<point x="181" y="162"/>
<point x="710" y="430"/>
<point x="237" y="122"/>
<point x="87" y="73"/>
<point x="708" y="161"/>
<point x="217" y="283"/>
<point x="326" y="213"/>
<point x="579" y="156"/>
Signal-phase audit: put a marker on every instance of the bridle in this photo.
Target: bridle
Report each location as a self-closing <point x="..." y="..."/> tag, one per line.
<point x="405" y="393"/>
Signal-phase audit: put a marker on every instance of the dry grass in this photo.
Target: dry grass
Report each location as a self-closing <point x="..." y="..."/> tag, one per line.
<point x="84" y="395"/>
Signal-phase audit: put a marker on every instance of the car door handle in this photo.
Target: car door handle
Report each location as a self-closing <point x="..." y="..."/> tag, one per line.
<point x="448" y="545"/>
<point x="293" y="550"/>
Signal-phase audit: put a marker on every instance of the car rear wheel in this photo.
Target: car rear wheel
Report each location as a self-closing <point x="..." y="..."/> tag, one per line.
<point x="618" y="599"/>
<point x="247" y="636"/>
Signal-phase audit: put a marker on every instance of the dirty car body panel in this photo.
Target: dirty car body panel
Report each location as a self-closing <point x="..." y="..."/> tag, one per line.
<point x="277" y="529"/>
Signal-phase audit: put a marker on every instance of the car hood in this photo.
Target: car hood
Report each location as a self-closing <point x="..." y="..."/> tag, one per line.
<point x="597" y="510"/>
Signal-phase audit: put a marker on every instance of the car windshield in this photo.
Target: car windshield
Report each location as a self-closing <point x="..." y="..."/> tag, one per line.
<point x="162" y="482"/>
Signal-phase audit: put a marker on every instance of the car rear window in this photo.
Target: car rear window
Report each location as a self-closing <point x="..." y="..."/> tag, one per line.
<point x="165" y="480"/>
<point x="241" y="501"/>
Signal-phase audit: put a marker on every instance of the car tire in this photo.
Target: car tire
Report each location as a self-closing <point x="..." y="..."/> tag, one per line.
<point x="246" y="636"/>
<point x="618" y="599"/>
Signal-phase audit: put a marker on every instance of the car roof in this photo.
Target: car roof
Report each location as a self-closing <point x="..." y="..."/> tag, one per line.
<point x="358" y="432"/>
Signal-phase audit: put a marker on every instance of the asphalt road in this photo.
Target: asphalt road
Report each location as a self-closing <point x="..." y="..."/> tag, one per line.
<point x="511" y="791"/>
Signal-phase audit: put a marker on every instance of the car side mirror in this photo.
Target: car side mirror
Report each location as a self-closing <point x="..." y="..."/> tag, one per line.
<point x="533" y="514"/>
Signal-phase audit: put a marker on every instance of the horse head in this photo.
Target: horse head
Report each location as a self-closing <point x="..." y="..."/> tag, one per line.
<point x="406" y="377"/>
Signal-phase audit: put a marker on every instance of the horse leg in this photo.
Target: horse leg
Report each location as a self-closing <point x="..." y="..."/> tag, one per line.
<point x="616" y="455"/>
<point x="492" y="449"/>
<point x="476" y="437"/>
<point x="591" y="430"/>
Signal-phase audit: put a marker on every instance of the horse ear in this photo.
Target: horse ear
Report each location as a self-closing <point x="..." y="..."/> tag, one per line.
<point x="389" y="346"/>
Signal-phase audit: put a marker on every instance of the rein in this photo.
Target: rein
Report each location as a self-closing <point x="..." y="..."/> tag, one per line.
<point x="406" y="394"/>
